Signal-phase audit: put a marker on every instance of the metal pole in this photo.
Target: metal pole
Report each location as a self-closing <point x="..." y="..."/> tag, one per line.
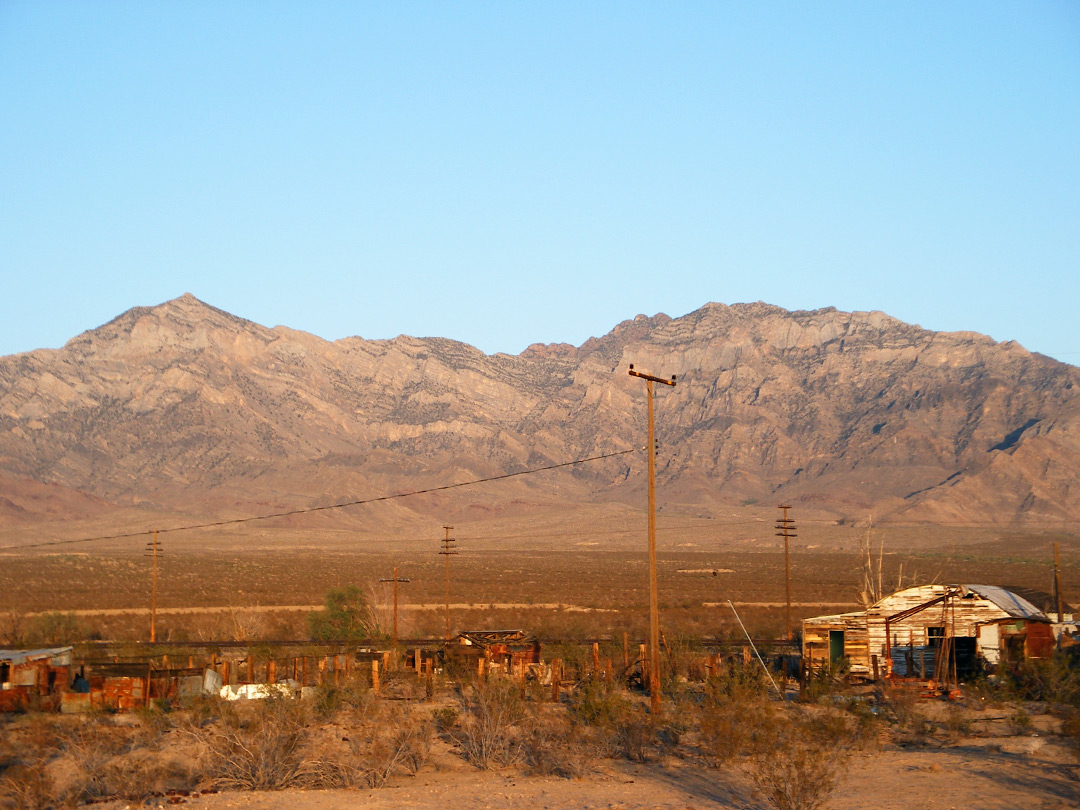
<point x="654" y="601"/>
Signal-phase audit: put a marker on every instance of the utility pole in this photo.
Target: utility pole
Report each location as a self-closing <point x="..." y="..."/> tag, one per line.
<point x="395" y="580"/>
<point x="153" y="549"/>
<point x="786" y="529"/>
<point x="447" y="550"/>
<point x="1057" y="583"/>
<point x="654" y="602"/>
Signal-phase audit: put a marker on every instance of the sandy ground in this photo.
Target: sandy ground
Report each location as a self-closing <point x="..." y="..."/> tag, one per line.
<point x="1032" y="773"/>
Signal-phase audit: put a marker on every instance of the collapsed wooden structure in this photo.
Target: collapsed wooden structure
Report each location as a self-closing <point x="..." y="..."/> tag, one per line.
<point x="941" y="632"/>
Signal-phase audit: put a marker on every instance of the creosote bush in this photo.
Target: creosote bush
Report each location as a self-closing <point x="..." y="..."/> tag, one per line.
<point x="487" y="731"/>
<point x="805" y="764"/>
<point x="259" y="749"/>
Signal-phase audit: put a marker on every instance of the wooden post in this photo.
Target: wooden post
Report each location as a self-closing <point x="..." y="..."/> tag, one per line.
<point x="555" y="665"/>
<point x="417" y="665"/>
<point x="608" y="673"/>
<point x="644" y="664"/>
<point x="303" y="671"/>
<point x="746" y="656"/>
<point x="874" y="663"/>
<point x="596" y="658"/>
<point x="1057" y="585"/>
<point x="271" y="671"/>
<point x="294" y="668"/>
<point x="375" y="676"/>
<point x="190" y="662"/>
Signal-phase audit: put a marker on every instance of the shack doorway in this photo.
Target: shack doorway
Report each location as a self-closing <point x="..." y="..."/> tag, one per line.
<point x="836" y="645"/>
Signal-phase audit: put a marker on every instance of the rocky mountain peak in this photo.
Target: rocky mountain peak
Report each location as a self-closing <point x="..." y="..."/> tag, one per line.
<point x="845" y="411"/>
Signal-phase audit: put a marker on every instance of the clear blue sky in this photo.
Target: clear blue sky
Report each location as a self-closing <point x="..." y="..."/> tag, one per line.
<point x="506" y="173"/>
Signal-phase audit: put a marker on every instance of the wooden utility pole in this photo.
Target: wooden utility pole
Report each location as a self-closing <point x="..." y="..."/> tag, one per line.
<point x="395" y="580"/>
<point x="786" y="530"/>
<point x="153" y="548"/>
<point x="1057" y="583"/>
<point x="654" y="606"/>
<point x="447" y="550"/>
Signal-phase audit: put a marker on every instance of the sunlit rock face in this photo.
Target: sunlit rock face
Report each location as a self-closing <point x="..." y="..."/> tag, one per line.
<point x="186" y="407"/>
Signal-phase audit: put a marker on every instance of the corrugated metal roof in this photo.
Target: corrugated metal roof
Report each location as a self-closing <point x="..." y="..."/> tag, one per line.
<point x="1015" y="606"/>
<point x="16" y="657"/>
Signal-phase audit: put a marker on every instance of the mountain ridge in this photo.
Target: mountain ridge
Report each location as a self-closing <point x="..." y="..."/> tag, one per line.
<point x="185" y="405"/>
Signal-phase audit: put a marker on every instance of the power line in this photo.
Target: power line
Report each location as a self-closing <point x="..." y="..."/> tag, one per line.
<point x="311" y="509"/>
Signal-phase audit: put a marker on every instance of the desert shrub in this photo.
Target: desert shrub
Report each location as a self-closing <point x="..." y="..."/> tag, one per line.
<point x="956" y="723"/>
<point x="143" y="773"/>
<point x="486" y="732"/>
<point x="738" y="681"/>
<point x="26" y="787"/>
<point x="910" y="724"/>
<point x="380" y="745"/>
<point x="53" y="629"/>
<point x="445" y="718"/>
<point x="355" y="699"/>
<point x="556" y="746"/>
<point x="263" y="751"/>
<point x="1070" y="732"/>
<point x="636" y="734"/>
<point x="622" y="725"/>
<point x="824" y="682"/>
<point x="732" y="729"/>
<point x="91" y="746"/>
<point x="805" y="765"/>
<point x="593" y="704"/>
<point x="1053" y="680"/>
<point x="1020" y="721"/>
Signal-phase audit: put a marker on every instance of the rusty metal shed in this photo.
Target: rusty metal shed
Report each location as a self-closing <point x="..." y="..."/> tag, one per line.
<point x="32" y="676"/>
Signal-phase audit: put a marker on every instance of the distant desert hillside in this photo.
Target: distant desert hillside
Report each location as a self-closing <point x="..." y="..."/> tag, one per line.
<point x="185" y="409"/>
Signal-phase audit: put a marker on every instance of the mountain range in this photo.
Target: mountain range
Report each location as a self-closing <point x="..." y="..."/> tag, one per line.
<point x="185" y="409"/>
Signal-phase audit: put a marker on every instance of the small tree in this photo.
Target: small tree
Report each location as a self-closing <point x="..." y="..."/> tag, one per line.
<point x="347" y="617"/>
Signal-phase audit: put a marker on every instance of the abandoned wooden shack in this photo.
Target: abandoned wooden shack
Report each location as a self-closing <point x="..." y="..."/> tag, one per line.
<point x="938" y="632"/>
<point x="506" y="650"/>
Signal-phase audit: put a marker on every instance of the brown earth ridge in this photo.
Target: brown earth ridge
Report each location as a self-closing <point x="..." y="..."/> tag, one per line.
<point x="185" y="409"/>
